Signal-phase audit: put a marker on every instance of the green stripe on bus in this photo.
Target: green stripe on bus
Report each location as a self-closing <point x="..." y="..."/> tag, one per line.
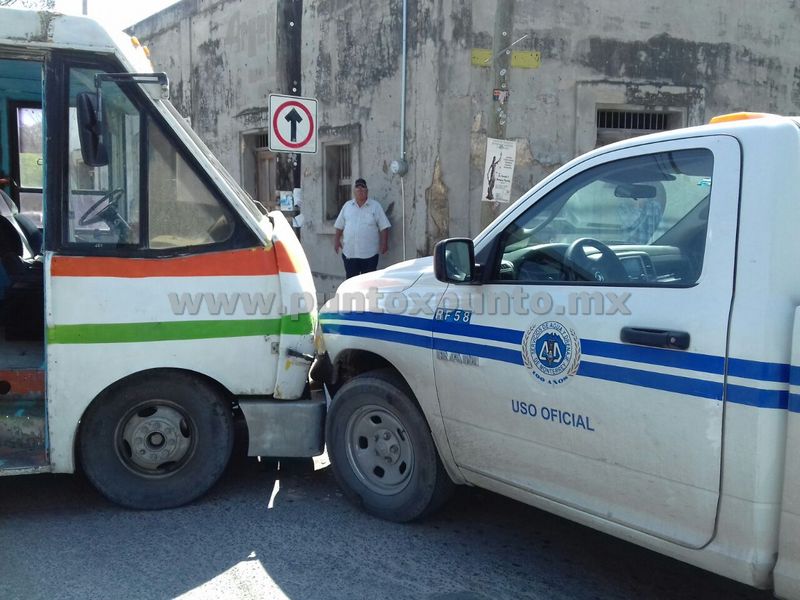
<point x="112" y="333"/>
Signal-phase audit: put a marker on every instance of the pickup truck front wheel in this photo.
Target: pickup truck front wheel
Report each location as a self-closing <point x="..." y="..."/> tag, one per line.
<point x="381" y="449"/>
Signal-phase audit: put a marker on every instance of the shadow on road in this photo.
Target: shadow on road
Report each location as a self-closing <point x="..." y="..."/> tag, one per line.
<point x="284" y="530"/>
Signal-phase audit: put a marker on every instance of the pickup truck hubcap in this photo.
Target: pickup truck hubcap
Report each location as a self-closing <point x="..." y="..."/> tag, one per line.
<point x="155" y="438"/>
<point x="379" y="450"/>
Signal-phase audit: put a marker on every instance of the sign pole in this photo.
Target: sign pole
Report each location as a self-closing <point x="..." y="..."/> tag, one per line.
<point x="501" y="62"/>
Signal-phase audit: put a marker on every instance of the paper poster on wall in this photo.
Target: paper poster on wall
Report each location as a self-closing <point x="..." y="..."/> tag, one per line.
<point x="298" y="197"/>
<point x="498" y="170"/>
<point x="286" y="200"/>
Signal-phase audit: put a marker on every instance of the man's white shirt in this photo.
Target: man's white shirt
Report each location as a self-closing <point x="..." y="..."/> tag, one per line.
<point x="361" y="226"/>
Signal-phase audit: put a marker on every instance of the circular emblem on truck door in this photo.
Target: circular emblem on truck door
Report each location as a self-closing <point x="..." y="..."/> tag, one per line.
<point x="551" y="351"/>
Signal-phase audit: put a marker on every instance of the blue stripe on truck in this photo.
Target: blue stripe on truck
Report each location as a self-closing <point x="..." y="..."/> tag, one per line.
<point x="369" y="327"/>
<point x="657" y="381"/>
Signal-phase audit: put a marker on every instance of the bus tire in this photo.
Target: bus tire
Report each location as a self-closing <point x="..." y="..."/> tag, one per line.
<point x="156" y="443"/>
<point x="381" y="449"/>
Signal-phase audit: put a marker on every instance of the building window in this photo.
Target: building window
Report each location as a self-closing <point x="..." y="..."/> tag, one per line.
<point x="338" y="178"/>
<point x="614" y="125"/>
<point x="258" y="164"/>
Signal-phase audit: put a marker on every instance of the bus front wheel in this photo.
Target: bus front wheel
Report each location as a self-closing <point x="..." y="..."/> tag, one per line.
<point x="156" y="443"/>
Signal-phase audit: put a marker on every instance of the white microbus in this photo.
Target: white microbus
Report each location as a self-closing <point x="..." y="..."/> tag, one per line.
<point x="146" y="303"/>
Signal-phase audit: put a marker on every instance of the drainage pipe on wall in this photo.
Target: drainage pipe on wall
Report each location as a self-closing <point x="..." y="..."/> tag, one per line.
<point x="402" y="164"/>
<point x="403" y="84"/>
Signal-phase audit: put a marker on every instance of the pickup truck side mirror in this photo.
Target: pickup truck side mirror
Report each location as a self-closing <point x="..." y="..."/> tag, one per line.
<point x="90" y="131"/>
<point x="454" y="261"/>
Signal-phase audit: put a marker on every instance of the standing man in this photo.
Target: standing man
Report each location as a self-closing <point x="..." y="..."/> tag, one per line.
<point x="366" y="232"/>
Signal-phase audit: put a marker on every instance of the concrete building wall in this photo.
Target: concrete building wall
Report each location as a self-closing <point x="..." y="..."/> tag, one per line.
<point x="696" y="61"/>
<point x="221" y="58"/>
<point x="693" y="60"/>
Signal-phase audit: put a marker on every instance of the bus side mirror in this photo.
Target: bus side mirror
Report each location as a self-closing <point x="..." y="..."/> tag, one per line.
<point x="90" y="131"/>
<point x="454" y="261"/>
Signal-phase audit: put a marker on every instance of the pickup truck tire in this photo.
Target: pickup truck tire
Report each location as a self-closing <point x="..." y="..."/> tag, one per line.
<point x="381" y="449"/>
<point x="156" y="443"/>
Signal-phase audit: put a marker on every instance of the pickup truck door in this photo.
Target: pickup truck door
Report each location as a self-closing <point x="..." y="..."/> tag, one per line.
<point x="588" y="367"/>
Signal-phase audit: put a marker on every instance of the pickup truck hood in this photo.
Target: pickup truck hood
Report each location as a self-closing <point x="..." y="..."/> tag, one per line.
<point x="395" y="278"/>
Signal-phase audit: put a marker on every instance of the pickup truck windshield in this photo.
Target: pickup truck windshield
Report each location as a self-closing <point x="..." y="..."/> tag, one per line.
<point x="627" y="212"/>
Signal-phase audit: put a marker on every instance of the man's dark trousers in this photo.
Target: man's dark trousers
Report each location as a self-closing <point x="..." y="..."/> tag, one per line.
<point x="357" y="266"/>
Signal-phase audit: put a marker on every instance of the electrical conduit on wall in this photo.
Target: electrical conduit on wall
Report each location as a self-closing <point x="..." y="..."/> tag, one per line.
<point x="403" y="123"/>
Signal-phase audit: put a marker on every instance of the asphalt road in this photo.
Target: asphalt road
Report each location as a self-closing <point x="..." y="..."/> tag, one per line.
<point x="287" y="532"/>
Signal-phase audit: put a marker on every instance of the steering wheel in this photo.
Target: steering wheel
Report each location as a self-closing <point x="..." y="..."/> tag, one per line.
<point x="607" y="268"/>
<point x="105" y="210"/>
<point x="108" y="202"/>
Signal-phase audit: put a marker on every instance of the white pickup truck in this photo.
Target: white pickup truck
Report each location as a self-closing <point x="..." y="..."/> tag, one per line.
<point x="620" y="347"/>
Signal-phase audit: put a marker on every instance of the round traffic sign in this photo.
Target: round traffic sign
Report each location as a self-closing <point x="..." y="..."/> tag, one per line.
<point x="276" y="130"/>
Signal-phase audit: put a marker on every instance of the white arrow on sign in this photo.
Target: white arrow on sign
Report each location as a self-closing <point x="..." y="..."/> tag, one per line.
<point x="293" y="124"/>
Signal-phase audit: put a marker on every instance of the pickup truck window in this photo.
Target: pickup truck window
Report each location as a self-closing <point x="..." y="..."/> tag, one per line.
<point x="639" y="220"/>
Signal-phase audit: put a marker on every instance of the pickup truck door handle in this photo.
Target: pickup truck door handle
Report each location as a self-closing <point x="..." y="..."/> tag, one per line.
<point x="660" y="338"/>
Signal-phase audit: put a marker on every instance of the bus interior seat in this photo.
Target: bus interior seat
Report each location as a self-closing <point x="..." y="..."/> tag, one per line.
<point x="31" y="232"/>
<point x="22" y="281"/>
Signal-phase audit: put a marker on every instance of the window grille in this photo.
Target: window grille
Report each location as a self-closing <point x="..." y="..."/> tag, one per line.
<point x="339" y="179"/>
<point x="633" y="120"/>
<point x="614" y="125"/>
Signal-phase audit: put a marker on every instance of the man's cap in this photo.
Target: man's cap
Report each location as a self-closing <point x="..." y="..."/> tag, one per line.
<point x="361" y="182"/>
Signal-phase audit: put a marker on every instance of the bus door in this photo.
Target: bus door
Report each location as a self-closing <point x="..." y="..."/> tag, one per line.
<point x="22" y="378"/>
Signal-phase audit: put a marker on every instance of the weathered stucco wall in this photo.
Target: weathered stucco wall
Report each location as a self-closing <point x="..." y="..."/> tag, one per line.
<point x="351" y="63"/>
<point x="221" y="60"/>
<point x="697" y="60"/>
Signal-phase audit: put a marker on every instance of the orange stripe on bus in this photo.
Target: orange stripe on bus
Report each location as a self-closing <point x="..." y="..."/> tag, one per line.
<point x="24" y="382"/>
<point x="252" y="262"/>
<point x="286" y="261"/>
